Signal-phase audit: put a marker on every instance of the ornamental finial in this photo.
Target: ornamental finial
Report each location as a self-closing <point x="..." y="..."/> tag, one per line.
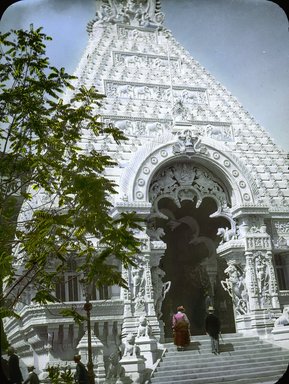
<point x="139" y="13"/>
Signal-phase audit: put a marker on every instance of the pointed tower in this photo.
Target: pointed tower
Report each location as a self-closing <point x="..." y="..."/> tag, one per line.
<point x="208" y="181"/>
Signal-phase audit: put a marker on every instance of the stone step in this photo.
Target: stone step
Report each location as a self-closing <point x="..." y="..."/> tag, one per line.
<point x="247" y="360"/>
<point x="220" y="369"/>
<point x="225" y="364"/>
<point x="211" y="377"/>
<point x="235" y="350"/>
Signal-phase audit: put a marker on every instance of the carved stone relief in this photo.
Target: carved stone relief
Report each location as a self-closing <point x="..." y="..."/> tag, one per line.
<point x="139" y="127"/>
<point x="139" y="91"/>
<point x="220" y="133"/>
<point x="184" y="176"/>
<point x="261" y="277"/>
<point x="132" y="12"/>
<point x="145" y="61"/>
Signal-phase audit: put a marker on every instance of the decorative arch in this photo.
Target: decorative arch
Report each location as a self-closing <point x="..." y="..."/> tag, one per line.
<point x="136" y="180"/>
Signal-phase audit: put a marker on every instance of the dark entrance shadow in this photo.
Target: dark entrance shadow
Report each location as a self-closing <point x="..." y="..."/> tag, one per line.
<point x="191" y="254"/>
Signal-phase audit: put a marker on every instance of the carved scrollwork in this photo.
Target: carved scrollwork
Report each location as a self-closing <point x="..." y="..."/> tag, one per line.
<point x="183" y="178"/>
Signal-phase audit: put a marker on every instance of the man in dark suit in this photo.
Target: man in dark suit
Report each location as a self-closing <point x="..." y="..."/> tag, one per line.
<point x="81" y="374"/>
<point x="213" y="328"/>
<point x="32" y="378"/>
<point x="15" y="375"/>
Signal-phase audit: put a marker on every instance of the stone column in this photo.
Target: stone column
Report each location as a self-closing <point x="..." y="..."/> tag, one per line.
<point x="139" y="298"/>
<point x="260" y="279"/>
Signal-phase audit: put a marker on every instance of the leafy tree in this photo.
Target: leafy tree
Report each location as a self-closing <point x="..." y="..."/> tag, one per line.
<point x="60" y="375"/>
<point x="42" y="155"/>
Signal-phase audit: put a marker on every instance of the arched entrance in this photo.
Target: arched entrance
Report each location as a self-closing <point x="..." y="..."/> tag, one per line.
<point x="190" y="262"/>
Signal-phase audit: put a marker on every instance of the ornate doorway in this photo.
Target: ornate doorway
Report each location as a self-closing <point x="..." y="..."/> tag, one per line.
<point x="186" y="213"/>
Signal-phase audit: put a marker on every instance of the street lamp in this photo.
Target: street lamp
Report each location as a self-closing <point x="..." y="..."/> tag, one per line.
<point x="87" y="307"/>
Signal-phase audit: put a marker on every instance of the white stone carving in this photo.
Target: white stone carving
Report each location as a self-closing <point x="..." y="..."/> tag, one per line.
<point x="185" y="176"/>
<point x="138" y="282"/>
<point x="130" y="348"/>
<point x="132" y="12"/>
<point x="263" y="279"/>
<point x="220" y="132"/>
<point x="235" y="285"/>
<point x="137" y="127"/>
<point x="144" y="328"/>
<point x="282" y="320"/>
<point x="282" y="226"/>
<point x="226" y="234"/>
<point x="160" y="288"/>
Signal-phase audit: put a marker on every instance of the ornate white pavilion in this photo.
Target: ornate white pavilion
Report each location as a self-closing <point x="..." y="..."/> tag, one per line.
<point x="209" y="182"/>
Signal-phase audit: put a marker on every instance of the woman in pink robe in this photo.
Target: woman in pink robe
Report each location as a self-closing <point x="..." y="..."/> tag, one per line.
<point x="181" y="329"/>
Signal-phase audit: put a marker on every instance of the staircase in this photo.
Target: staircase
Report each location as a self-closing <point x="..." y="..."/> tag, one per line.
<point x="242" y="360"/>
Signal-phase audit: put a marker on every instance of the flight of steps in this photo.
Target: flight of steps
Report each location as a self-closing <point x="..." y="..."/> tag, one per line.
<point x="242" y="360"/>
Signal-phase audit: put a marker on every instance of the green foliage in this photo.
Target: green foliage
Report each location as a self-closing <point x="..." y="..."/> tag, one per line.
<point x="58" y="375"/>
<point x="42" y="154"/>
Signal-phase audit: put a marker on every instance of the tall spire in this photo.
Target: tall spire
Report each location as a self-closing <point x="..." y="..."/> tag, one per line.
<point x="141" y="13"/>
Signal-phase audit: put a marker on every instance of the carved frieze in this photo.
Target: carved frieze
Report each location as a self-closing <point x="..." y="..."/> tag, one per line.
<point x="135" y="35"/>
<point x="164" y="93"/>
<point x="220" y="132"/>
<point x="282" y="226"/>
<point x="139" y="127"/>
<point x="258" y="242"/>
<point x="145" y="61"/>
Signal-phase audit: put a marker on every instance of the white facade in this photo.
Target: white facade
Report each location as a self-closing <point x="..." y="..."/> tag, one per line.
<point x="210" y="184"/>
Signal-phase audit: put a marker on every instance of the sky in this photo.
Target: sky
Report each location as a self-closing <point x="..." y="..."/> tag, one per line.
<point x="244" y="44"/>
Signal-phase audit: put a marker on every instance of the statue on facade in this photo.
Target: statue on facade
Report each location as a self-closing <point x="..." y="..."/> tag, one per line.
<point x="137" y="275"/>
<point x="130" y="348"/>
<point x="154" y="233"/>
<point x="144" y="329"/>
<point x="263" y="278"/>
<point x="143" y="13"/>
<point x="114" y="369"/>
<point x="160" y="289"/>
<point x="283" y="320"/>
<point x="226" y="234"/>
<point x="236" y="287"/>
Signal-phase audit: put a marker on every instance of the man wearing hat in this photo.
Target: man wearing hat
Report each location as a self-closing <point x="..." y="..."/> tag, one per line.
<point x="15" y="375"/>
<point x="32" y="378"/>
<point x="81" y="374"/>
<point x="213" y="328"/>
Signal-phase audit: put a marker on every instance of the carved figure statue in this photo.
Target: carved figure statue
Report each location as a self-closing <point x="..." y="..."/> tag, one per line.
<point x="160" y="289"/>
<point x="155" y="234"/>
<point x="262" y="275"/>
<point x="236" y="287"/>
<point x="144" y="329"/>
<point x="137" y="281"/>
<point x="283" y="320"/>
<point x="140" y="303"/>
<point x="114" y="368"/>
<point x="130" y="348"/>
<point x="226" y="234"/>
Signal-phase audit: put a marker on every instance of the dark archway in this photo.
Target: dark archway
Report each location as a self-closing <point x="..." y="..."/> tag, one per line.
<point x="190" y="263"/>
